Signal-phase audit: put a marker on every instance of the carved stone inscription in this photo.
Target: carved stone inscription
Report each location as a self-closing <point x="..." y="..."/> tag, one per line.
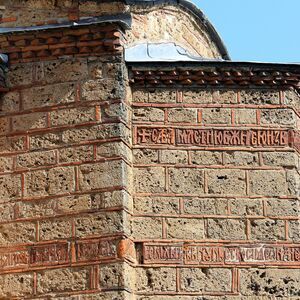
<point x="212" y="137"/>
<point x="201" y="254"/>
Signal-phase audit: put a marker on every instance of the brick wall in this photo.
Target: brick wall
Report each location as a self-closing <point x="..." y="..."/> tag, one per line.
<point x="217" y="218"/>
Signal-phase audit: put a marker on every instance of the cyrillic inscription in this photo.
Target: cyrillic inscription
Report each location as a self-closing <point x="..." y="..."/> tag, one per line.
<point x="202" y="254"/>
<point x="212" y="137"/>
<point x="96" y="249"/>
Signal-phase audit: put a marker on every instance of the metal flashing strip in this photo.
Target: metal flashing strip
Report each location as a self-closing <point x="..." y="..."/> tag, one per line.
<point x="124" y="20"/>
<point x="160" y="52"/>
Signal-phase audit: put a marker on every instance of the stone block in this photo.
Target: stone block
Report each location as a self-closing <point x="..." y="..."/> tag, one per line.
<point x="206" y="157"/>
<point x="282" y="207"/>
<point x="203" y="280"/>
<point x="186" y="181"/>
<point x="10" y="102"/>
<point x="277" y="116"/>
<point x="294" y="230"/>
<point x="114" y="149"/>
<point x="63" y="280"/>
<point x="280" y="159"/>
<point x="103" y="175"/>
<point x="149" y="180"/>
<point x="17" y="233"/>
<point x="181" y="228"/>
<point x="6" y="163"/>
<point x="111" y="199"/>
<point x="270" y="283"/>
<point x="16" y="285"/>
<point x="140" y="96"/>
<point x="49" y="182"/>
<point x="55" y="229"/>
<point x="162" y="96"/>
<point x="156" y="279"/>
<point x="267" y="230"/>
<point x="269" y="183"/>
<point x="65" y="70"/>
<point x="146" y="228"/>
<point x="76" y="154"/>
<point x="4" y="125"/>
<point x="173" y="157"/>
<point x="148" y="114"/>
<point x="182" y="115"/>
<point x="72" y="116"/>
<point x="101" y="90"/>
<point x="241" y="158"/>
<point x="145" y="156"/>
<point x="205" y="206"/>
<point x="116" y="276"/>
<point x="197" y="96"/>
<point x="99" y="224"/>
<point x="45" y="141"/>
<point x="10" y="187"/>
<point x="225" y="96"/>
<point x="246" y="207"/>
<point x="29" y="122"/>
<point x="48" y="95"/>
<point x="245" y="116"/>
<point x="156" y="205"/>
<point x="226" y="229"/>
<point x="259" y="96"/>
<point x="36" y="159"/>
<point x="216" y="116"/>
<point x="226" y="182"/>
<point x="20" y="75"/>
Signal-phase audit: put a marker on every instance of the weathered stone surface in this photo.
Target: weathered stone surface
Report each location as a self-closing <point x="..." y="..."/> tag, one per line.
<point x="191" y="229"/>
<point x="269" y="183"/>
<point x="152" y="180"/>
<point x="241" y="158"/>
<point x="206" y="157"/>
<point x="10" y="187"/>
<point x="173" y="157"/>
<point x="278" y="117"/>
<point x="149" y="114"/>
<point x="156" y="205"/>
<point x="55" y="229"/>
<point x="206" y="280"/>
<point x="145" y="156"/>
<point x="63" y="280"/>
<point x="273" y="283"/>
<point x="36" y="159"/>
<point x="216" y="116"/>
<point x="197" y="96"/>
<point x="205" y="206"/>
<point x="245" y="116"/>
<point x="146" y="227"/>
<point x="267" y="230"/>
<point x="181" y="115"/>
<point x="246" y="207"/>
<point x="226" y="229"/>
<point x="156" y="279"/>
<point x="76" y="154"/>
<point x="259" y="97"/>
<point x="282" y="207"/>
<point x="294" y="231"/>
<point x="226" y="182"/>
<point x="283" y="159"/>
<point x="16" y="285"/>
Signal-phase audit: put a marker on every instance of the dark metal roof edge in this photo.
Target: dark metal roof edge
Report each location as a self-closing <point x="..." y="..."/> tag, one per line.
<point x="124" y="20"/>
<point x="220" y="64"/>
<point x="196" y="12"/>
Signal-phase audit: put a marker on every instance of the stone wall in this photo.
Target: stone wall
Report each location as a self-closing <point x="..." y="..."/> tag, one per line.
<point x="216" y="192"/>
<point x="64" y="163"/>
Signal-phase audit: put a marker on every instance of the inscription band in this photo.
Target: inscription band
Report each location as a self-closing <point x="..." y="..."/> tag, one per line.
<point x="203" y="254"/>
<point x="213" y="137"/>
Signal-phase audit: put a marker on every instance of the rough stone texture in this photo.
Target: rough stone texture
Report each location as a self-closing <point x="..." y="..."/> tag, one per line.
<point x="269" y="183"/>
<point x="239" y="158"/>
<point x="227" y="229"/>
<point x="191" y="229"/>
<point x="205" y="206"/>
<point x="226" y="182"/>
<point x="16" y="285"/>
<point x="156" y="205"/>
<point x="245" y="116"/>
<point x="259" y="97"/>
<point x="181" y="115"/>
<point x="146" y="227"/>
<point x="216" y="116"/>
<point x="206" y="158"/>
<point x="156" y="279"/>
<point x="186" y="181"/>
<point x="272" y="283"/>
<point x="267" y="229"/>
<point x="206" y="280"/>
